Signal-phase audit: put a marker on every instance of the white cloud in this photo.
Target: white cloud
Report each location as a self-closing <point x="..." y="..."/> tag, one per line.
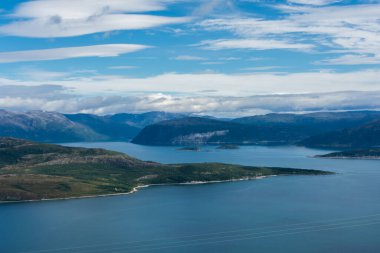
<point x="354" y="29"/>
<point x="41" y="75"/>
<point x="122" y="67"/>
<point x="244" y="84"/>
<point x="210" y="7"/>
<point x="213" y="63"/>
<point x="261" y="68"/>
<point x="314" y="2"/>
<point x="106" y="50"/>
<point x="256" y="44"/>
<point x="85" y="8"/>
<point x="229" y="58"/>
<point x="352" y="59"/>
<point x="65" y="18"/>
<point x="189" y="58"/>
<point x="238" y="84"/>
<point x="226" y="106"/>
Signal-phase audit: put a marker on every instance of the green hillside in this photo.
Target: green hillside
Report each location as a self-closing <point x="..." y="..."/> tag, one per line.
<point x="33" y="171"/>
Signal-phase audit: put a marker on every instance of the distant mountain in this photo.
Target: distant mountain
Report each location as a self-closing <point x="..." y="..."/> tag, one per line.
<point x="367" y="136"/>
<point x="106" y="126"/>
<point x="45" y="126"/>
<point x="191" y="130"/>
<point x="160" y="128"/>
<point x="266" y="129"/>
<point x="197" y="131"/>
<point x="144" y="119"/>
<point x="122" y="126"/>
<point x="56" y="127"/>
<point x="313" y="123"/>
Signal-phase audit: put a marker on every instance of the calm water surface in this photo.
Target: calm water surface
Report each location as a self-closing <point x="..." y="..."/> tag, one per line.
<point x="339" y="213"/>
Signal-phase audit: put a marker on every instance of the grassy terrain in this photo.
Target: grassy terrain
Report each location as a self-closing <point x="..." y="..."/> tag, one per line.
<point x="33" y="171"/>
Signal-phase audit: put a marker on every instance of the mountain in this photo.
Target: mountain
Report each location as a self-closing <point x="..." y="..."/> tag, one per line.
<point x="45" y="126"/>
<point x="144" y="119"/>
<point x="56" y="127"/>
<point x="265" y="129"/>
<point x="34" y="171"/>
<point x="122" y="126"/>
<point x="197" y="131"/>
<point x="160" y="128"/>
<point x="105" y="125"/>
<point x="365" y="136"/>
<point x="313" y="123"/>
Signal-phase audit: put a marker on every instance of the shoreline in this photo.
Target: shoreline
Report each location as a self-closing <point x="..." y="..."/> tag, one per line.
<point x="349" y="157"/>
<point x="136" y="189"/>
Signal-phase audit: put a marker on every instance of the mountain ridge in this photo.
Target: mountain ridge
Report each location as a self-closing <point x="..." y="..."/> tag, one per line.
<point x="56" y="127"/>
<point x="271" y="129"/>
<point x="365" y="136"/>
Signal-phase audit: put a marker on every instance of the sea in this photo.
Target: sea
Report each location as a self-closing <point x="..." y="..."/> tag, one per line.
<point x="282" y="214"/>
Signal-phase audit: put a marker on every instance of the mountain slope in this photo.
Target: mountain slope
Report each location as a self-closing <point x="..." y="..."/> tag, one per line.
<point x="56" y="127"/>
<point x="266" y="129"/>
<point x="44" y="126"/>
<point x="106" y="126"/>
<point x="197" y="131"/>
<point x="313" y="123"/>
<point x="144" y="119"/>
<point x="32" y="171"/>
<point x="367" y="135"/>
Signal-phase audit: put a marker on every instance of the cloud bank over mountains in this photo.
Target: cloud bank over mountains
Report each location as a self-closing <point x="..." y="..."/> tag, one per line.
<point x="58" y="98"/>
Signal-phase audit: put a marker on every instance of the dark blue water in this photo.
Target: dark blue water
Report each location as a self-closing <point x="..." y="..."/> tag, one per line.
<point x="339" y="213"/>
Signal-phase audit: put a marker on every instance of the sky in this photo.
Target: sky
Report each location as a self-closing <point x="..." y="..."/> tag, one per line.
<point x="225" y="58"/>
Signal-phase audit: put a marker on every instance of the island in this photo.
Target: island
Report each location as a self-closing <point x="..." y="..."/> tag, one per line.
<point x="189" y="149"/>
<point x="228" y="146"/>
<point x="354" y="154"/>
<point x="38" y="171"/>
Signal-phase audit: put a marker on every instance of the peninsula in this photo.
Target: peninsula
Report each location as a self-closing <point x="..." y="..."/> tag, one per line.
<point x="36" y="171"/>
<point x="354" y="154"/>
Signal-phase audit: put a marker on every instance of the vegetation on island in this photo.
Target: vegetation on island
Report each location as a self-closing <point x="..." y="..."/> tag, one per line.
<point x="189" y="149"/>
<point x="354" y="154"/>
<point x="35" y="171"/>
<point x="228" y="146"/>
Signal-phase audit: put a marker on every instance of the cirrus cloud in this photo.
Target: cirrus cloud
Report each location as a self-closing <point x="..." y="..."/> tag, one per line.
<point x="343" y="29"/>
<point x="105" y="50"/>
<point x="67" y="18"/>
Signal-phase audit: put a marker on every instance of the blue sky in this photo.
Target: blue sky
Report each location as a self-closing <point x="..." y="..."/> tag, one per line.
<point x="220" y="57"/>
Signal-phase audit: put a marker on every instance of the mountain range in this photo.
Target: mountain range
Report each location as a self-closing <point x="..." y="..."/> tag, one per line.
<point x="367" y="135"/>
<point x="323" y="129"/>
<point x="57" y="127"/>
<point x="264" y="129"/>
